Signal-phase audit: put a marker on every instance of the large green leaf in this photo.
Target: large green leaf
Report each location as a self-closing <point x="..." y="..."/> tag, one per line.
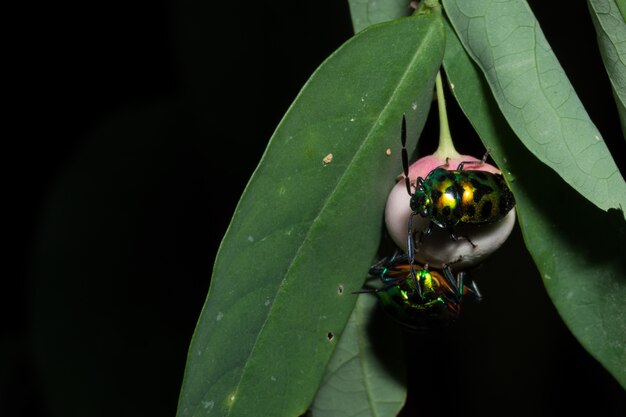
<point x="365" y="13"/>
<point x="578" y="248"/>
<point x="365" y="377"/>
<point x="304" y="232"/>
<point x="535" y="96"/>
<point x="611" y="29"/>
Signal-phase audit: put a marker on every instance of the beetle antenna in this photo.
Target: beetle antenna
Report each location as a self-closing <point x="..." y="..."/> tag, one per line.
<point x="405" y="156"/>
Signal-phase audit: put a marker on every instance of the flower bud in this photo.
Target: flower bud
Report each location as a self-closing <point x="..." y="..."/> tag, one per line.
<point x="439" y="248"/>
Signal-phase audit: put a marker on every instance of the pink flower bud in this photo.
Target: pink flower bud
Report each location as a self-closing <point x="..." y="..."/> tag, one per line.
<point x="439" y="248"/>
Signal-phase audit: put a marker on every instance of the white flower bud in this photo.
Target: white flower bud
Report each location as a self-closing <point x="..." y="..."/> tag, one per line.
<point x="439" y="248"/>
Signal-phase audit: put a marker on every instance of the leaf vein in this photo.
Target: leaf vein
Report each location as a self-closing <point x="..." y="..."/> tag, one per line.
<point x="329" y="198"/>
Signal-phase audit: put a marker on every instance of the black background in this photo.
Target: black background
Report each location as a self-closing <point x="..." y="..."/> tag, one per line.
<point x="133" y="130"/>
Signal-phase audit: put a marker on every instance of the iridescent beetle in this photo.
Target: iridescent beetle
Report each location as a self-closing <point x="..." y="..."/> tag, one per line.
<point x="452" y="197"/>
<point x="434" y="302"/>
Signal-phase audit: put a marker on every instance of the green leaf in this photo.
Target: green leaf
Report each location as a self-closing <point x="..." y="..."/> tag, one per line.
<point x="611" y="30"/>
<point x="305" y="232"/>
<point x="536" y="97"/>
<point x="365" y="13"/>
<point x="578" y="248"/>
<point x="365" y="376"/>
<point x="621" y="5"/>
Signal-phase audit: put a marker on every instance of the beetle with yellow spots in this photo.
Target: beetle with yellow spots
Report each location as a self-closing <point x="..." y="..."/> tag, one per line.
<point x="432" y="302"/>
<point x="461" y="196"/>
<point x="453" y="197"/>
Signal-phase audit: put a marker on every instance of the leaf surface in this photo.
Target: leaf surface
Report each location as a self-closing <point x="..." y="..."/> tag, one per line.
<point x="365" y="377"/>
<point x="308" y="225"/>
<point x="611" y="31"/>
<point x="578" y="249"/>
<point x="365" y="13"/>
<point x="535" y="96"/>
<point x="621" y="5"/>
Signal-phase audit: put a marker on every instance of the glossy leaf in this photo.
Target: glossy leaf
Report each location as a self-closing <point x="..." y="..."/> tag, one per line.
<point x="535" y="96"/>
<point x="365" y="13"/>
<point x="365" y="377"/>
<point x="578" y="249"/>
<point x="611" y="30"/>
<point x="308" y="225"/>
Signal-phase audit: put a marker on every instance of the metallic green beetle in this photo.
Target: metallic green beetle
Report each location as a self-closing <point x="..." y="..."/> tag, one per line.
<point x="448" y="198"/>
<point x="433" y="303"/>
<point x="452" y="197"/>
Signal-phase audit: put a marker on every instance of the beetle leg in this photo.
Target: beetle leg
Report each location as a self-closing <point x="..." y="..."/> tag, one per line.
<point x="455" y="283"/>
<point x="380" y="267"/>
<point x="418" y="286"/>
<point x="379" y="270"/>
<point x="424" y="233"/>
<point x="447" y="273"/>
<point x="446" y="165"/>
<point x="455" y="237"/>
<point x="411" y="254"/>
<point x="482" y="161"/>
<point x="410" y="241"/>
<point x="385" y="270"/>
<point x="478" y="297"/>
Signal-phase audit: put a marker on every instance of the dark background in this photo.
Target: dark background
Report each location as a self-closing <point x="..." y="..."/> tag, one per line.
<point x="134" y="129"/>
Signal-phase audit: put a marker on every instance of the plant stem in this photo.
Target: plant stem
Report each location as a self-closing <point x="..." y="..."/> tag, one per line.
<point x="426" y="6"/>
<point x="446" y="147"/>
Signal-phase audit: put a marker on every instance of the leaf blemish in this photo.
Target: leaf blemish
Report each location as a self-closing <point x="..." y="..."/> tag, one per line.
<point x="250" y="239"/>
<point x="388" y="152"/>
<point x="327" y="159"/>
<point x="340" y="290"/>
<point x="230" y="399"/>
<point x="219" y="316"/>
<point x="330" y="336"/>
<point x="208" y="404"/>
<point x="414" y="106"/>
